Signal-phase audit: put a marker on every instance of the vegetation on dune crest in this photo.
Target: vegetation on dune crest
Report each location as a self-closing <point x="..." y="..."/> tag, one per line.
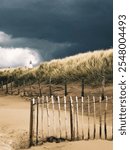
<point x="91" y="66"/>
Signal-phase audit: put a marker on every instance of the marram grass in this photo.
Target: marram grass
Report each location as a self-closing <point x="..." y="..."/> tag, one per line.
<point x="91" y="66"/>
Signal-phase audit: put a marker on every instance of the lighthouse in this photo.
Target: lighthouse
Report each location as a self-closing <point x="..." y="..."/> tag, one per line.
<point x="30" y="65"/>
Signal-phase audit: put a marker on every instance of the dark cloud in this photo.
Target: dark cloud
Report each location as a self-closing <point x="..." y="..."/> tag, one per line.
<point x="45" y="48"/>
<point x="83" y="24"/>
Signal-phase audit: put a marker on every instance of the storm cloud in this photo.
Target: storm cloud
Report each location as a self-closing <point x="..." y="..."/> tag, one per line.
<point x="57" y="28"/>
<point x="45" y="48"/>
<point x="12" y="57"/>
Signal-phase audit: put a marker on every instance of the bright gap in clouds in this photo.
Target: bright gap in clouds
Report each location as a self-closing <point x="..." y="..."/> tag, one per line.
<point x="14" y="57"/>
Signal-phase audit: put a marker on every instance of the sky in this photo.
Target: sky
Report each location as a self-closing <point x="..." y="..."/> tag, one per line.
<point x="42" y="30"/>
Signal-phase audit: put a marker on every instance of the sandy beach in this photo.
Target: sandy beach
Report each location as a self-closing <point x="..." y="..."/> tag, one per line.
<point x="14" y="129"/>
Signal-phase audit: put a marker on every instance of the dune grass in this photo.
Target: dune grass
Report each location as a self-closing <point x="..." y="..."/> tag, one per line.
<point x="91" y="66"/>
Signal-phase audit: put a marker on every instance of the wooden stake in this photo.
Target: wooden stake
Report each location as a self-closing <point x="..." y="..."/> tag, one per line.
<point x="59" y="115"/>
<point x="100" y="118"/>
<point x="94" y="116"/>
<point x="31" y="124"/>
<point x="77" y="117"/>
<point x="48" y="116"/>
<point x="37" y="121"/>
<point x="88" y="118"/>
<point x="66" y="93"/>
<point x="2" y="85"/>
<point x="72" y="119"/>
<point x="82" y="91"/>
<point x="105" y="116"/>
<point x="24" y="87"/>
<point x="11" y="87"/>
<point x="50" y="89"/>
<point x="30" y="86"/>
<point x="42" y="112"/>
<point x="18" y="87"/>
<point x="40" y="92"/>
<point x="6" y="87"/>
<point x="82" y="107"/>
<point x="103" y="87"/>
<point x="53" y="111"/>
<point x="66" y="133"/>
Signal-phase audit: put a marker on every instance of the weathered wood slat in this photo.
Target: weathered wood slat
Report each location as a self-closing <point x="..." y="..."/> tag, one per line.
<point x="59" y="113"/>
<point x="72" y="119"/>
<point x="77" y="118"/>
<point x="88" y="117"/>
<point x="105" y="116"/>
<point x="37" y="120"/>
<point x="94" y="117"/>
<point x="31" y="124"/>
<point x="82" y="109"/>
<point x="100" y="117"/>
<point x="48" y="117"/>
<point x="34" y="117"/>
<point x="42" y="116"/>
<point x="66" y="130"/>
<point x="53" y="114"/>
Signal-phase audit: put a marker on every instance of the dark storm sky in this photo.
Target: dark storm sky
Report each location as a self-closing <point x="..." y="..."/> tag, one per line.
<point x="56" y="28"/>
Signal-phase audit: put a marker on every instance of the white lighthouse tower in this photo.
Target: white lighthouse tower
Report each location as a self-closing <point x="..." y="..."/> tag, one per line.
<point x="30" y="65"/>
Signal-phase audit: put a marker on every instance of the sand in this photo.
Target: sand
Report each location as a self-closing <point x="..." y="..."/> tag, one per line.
<point x="80" y="145"/>
<point x="14" y="127"/>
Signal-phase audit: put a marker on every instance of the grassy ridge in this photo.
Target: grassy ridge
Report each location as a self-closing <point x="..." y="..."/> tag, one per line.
<point x="91" y="66"/>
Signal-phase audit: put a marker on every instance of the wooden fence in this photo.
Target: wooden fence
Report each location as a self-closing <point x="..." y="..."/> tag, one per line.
<point x="28" y="89"/>
<point x="70" y="118"/>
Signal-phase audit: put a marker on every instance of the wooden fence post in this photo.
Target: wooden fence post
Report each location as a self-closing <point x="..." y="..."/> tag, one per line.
<point x="77" y="117"/>
<point x="40" y="91"/>
<point x="37" y="119"/>
<point x="100" y="118"/>
<point x="50" y="88"/>
<point x="34" y="117"/>
<point x="2" y="85"/>
<point x="103" y="87"/>
<point x="88" y="118"/>
<point x="18" y="88"/>
<point x="11" y="87"/>
<point x="53" y="111"/>
<point x="30" y="87"/>
<point x="72" y="119"/>
<point x="94" y="116"/>
<point x="6" y="87"/>
<point x="66" y="133"/>
<point x="48" y="116"/>
<point x="105" y="116"/>
<point x="42" y="118"/>
<point x="82" y="109"/>
<point x="66" y="93"/>
<point x="24" y="87"/>
<point x="82" y="91"/>
<point x="31" y="124"/>
<point x="59" y="115"/>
